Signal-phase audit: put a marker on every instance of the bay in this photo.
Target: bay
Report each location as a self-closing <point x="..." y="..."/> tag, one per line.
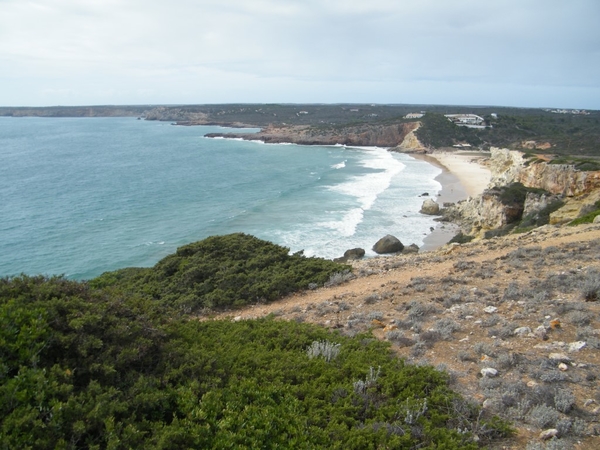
<point x="81" y="196"/>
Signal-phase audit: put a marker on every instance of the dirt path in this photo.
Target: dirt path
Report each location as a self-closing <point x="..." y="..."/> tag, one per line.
<point x="459" y="308"/>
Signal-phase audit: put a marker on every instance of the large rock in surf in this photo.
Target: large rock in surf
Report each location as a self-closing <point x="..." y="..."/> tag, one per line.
<point x="412" y="248"/>
<point x="430" y="207"/>
<point x="388" y="244"/>
<point x="354" y="253"/>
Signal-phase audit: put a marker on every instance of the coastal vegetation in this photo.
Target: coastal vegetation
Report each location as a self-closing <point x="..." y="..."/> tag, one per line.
<point x="560" y="135"/>
<point x="588" y="217"/>
<point x="133" y="359"/>
<point x="516" y="128"/>
<point x="113" y="363"/>
<point x="221" y="272"/>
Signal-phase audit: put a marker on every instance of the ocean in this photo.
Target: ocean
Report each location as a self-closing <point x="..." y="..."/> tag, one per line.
<point x="82" y="196"/>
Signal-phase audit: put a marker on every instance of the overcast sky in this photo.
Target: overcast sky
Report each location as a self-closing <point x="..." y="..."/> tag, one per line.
<point x="538" y="53"/>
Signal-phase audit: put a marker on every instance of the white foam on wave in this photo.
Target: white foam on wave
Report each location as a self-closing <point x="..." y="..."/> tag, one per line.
<point x="339" y="165"/>
<point x="366" y="188"/>
<point x="346" y="226"/>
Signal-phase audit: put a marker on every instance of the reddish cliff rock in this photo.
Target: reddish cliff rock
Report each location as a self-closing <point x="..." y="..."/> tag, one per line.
<point x="356" y="135"/>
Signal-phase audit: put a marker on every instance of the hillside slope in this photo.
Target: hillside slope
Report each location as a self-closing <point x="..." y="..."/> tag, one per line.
<point x="510" y="303"/>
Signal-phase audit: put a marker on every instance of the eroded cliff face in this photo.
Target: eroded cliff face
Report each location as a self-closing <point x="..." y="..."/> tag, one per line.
<point x="165" y="113"/>
<point x="509" y="166"/>
<point x="578" y="190"/>
<point x="482" y="213"/>
<point x="411" y="143"/>
<point x="359" y="135"/>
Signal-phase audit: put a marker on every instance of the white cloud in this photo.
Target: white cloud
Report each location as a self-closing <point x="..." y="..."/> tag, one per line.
<point x="299" y="50"/>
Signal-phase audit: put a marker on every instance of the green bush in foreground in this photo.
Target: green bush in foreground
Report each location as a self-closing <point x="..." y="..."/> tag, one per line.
<point x="223" y="271"/>
<point x="80" y="368"/>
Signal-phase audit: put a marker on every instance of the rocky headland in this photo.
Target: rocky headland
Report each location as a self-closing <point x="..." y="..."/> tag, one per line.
<point x="353" y="135"/>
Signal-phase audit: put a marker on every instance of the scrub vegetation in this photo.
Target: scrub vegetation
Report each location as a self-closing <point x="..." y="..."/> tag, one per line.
<point x="222" y="272"/>
<point x="113" y="363"/>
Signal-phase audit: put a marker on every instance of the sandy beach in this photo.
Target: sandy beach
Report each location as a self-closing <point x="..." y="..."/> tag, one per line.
<point x="466" y="166"/>
<point x="462" y="176"/>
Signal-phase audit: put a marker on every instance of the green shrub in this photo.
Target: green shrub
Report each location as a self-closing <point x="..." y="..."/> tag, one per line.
<point x="589" y="217"/>
<point x="461" y="238"/>
<point x="87" y="368"/>
<point x="222" y="272"/>
<point x="515" y="193"/>
<point x="579" y="163"/>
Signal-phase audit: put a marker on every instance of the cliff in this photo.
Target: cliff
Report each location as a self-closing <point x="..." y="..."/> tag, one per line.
<point x="171" y="114"/>
<point x="537" y="191"/>
<point x="510" y="166"/>
<point x="354" y="135"/>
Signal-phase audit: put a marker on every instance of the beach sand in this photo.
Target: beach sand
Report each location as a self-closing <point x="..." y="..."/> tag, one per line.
<point x="462" y="176"/>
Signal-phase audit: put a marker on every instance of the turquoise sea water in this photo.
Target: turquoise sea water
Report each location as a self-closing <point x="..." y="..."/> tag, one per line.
<point x="81" y="196"/>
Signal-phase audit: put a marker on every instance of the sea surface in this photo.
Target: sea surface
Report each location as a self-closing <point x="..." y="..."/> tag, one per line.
<point x="81" y="196"/>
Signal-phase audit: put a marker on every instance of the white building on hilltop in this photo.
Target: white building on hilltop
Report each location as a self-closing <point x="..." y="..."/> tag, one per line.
<point x="414" y="116"/>
<point x="466" y="120"/>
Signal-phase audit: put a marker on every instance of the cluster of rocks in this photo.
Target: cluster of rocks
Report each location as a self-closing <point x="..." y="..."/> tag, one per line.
<point x="386" y="245"/>
<point x="390" y="244"/>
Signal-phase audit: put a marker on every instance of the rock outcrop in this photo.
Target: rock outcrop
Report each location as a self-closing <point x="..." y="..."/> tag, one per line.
<point x="575" y="207"/>
<point x="388" y="244"/>
<point x="354" y="253"/>
<point x="510" y="166"/>
<point x="430" y="207"/>
<point x="412" y="248"/>
<point x="483" y="213"/>
<point x="353" y="135"/>
<point x="491" y="210"/>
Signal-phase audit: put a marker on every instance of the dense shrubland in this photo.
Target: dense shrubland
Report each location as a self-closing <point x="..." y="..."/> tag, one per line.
<point x="113" y="363"/>
<point x="222" y="272"/>
<point x="568" y="134"/>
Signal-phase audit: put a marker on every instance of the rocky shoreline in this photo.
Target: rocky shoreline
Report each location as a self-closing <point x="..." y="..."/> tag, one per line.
<point x="352" y="135"/>
<point x="474" y="184"/>
<point x="456" y="185"/>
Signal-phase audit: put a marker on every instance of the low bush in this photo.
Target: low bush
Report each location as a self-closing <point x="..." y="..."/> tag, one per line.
<point x="543" y="416"/>
<point x="590" y="290"/>
<point x="461" y="238"/>
<point x="224" y="271"/>
<point x="86" y="368"/>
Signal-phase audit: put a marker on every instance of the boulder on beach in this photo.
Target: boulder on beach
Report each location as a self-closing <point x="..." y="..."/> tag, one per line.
<point x="388" y="244"/>
<point x="351" y="254"/>
<point x="430" y="207"/>
<point x="412" y="248"/>
<point x="354" y="253"/>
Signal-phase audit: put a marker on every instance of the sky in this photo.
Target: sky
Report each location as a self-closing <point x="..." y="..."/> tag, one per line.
<point x="525" y="53"/>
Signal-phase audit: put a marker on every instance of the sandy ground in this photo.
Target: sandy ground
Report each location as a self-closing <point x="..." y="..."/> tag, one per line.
<point x="463" y="175"/>
<point x="466" y="166"/>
